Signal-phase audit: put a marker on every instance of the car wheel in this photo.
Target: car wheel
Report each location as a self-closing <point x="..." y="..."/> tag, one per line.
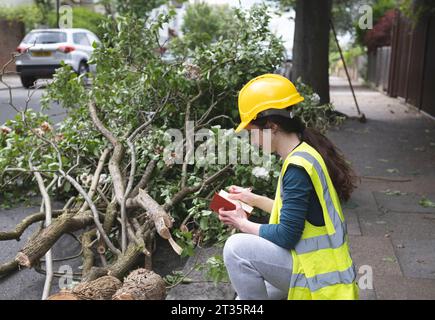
<point x="83" y="70"/>
<point x="27" y="81"/>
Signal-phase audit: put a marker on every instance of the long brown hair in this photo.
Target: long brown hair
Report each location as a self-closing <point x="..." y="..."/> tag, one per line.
<point x="341" y="173"/>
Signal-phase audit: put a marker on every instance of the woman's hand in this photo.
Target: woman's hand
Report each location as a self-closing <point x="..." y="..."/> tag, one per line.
<point x="243" y="194"/>
<point x="247" y="196"/>
<point x="235" y="218"/>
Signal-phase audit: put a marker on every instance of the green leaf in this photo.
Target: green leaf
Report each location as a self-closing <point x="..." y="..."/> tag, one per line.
<point x="204" y="223"/>
<point x="426" y="203"/>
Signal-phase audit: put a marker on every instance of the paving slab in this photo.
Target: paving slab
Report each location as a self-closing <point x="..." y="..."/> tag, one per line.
<point x="376" y="252"/>
<point x="403" y="203"/>
<point x="416" y="257"/>
<point x="401" y="288"/>
<point x="201" y="288"/>
<point x="398" y="225"/>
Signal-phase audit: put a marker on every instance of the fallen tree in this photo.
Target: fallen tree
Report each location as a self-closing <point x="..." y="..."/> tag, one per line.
<point x="109" y="158"/>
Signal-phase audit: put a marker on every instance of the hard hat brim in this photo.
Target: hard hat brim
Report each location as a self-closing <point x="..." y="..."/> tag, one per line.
<point x="293" y="102"/>
<point x="241" y="126"/>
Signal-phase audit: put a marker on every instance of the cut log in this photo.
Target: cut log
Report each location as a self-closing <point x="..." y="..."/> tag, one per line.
<point x="63" y="295"/>
<point x="142" y="284"/>
<point x="100" y="289"/>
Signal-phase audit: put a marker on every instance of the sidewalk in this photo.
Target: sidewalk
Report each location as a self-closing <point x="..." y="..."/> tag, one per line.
<point x="388" y="229"/>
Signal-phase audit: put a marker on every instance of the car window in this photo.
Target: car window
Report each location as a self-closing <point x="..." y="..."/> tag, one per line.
<point x="92" y="38"/>
<point x="45" y="37"/>
<point x="81" y="39"/>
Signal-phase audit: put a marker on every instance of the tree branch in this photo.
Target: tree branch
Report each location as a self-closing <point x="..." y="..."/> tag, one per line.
<point x="114" y="169"/>
<point x="96" y="177"/>
<point x="24" y="224"/>
<point x="183" y="193"/>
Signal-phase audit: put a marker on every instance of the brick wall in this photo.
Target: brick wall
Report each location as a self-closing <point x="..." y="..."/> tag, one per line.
<point x="11" y="34"/>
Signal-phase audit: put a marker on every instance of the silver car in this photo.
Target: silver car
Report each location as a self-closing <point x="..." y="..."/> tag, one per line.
<point x="42" y="50"/>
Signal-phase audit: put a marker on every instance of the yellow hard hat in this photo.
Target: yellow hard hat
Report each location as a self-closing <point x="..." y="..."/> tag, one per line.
<point x="268" y="91"/>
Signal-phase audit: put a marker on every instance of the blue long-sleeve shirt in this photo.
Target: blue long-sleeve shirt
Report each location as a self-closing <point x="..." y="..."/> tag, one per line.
<point x="300" y="203"/>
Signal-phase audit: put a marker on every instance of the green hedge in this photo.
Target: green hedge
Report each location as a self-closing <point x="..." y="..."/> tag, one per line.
<point x="33" y="17"/>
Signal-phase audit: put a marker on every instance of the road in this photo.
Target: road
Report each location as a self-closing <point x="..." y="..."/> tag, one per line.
<point x="19" y="97"/>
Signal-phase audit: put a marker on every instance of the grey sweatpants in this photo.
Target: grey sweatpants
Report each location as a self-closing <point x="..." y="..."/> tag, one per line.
<point x="258" y="268"/>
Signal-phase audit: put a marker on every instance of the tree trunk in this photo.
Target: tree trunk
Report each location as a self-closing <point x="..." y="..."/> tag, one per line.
<point x="311" y="45"/>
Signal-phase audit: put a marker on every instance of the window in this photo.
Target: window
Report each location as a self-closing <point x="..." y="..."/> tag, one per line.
<point x="45" y="37"/>
<point x="81" y="39"/>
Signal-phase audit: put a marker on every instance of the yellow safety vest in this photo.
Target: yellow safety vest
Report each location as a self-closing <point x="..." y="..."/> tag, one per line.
<point x="322" y="264"/>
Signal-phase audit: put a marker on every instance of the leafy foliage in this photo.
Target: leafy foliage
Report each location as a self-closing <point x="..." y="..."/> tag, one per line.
<point x="312" y="113"/>
<point x="380" y="7"/>
<point x="380" y="35"/>
<point x="203" y="24"/>
<point x="82" y="18"/>
<point x="30" y="15"/>
<point x="215" y="269"/>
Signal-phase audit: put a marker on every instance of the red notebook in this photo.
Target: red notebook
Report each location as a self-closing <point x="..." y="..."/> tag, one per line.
<point x="220" y="200"/>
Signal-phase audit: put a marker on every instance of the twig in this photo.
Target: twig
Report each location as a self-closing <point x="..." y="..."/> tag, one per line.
<point x="96" y="177"/>
<point x="195" y="264"/>
<point x="94" y="210"/>
<point x="180" y="195"/>
<point x="385" y="179"/>
<point x="48" y="215"/>
<point x="189" y="136"/>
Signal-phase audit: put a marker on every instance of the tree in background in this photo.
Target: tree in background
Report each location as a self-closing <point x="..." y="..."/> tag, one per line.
<point x="138" y="8"/>
<point x="311" y="45"/>
<point x="204" y="23"/>
<point x="380" y="7"/>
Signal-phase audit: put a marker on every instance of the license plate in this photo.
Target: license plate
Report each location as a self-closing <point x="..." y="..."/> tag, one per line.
<point x="41" y="53"/>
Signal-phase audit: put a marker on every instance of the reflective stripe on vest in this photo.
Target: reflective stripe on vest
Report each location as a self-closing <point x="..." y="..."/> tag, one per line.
<point x="333" y="241"/>
<point x="323" y="280"/>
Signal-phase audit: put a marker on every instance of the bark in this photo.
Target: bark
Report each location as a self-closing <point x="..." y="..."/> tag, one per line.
<point x="311" y="45"/>
<point x="145" y="178"/>
<point x="88" y="254"/>
<point x="126" y="262"/>
<point x="100" y="289"/>
<point x="38" y="245"/>
<point x="95" y="273"/>
<point x="142" y="284"/>
<point x="8" y="268"/>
